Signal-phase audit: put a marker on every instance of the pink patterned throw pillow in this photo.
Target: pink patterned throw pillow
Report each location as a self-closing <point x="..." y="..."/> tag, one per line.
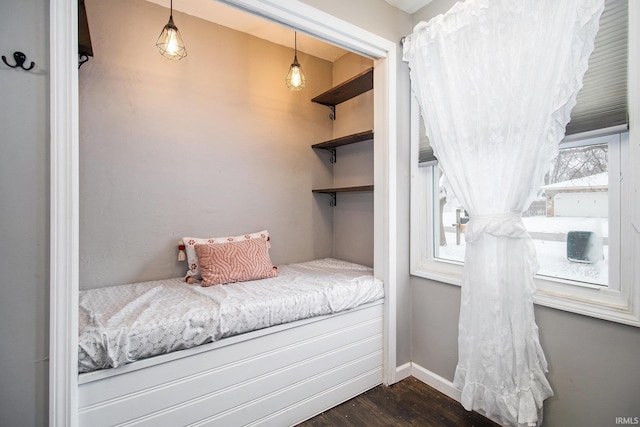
<point x="235" y="262"/>
<point x="191" y="242"/>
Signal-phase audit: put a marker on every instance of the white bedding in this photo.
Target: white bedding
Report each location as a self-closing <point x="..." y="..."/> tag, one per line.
<point x="121" y="324"/>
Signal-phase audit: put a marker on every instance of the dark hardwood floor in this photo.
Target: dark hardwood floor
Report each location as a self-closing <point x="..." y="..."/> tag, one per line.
<point x="409" y="402"/>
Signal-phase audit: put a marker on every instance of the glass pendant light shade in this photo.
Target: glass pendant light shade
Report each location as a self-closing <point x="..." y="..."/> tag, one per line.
<point x="295" y="77"/>
<point x="170" y="41"/>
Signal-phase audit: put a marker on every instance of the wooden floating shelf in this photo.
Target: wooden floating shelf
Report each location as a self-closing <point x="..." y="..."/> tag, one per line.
<point x="345" y="140"/>
<point x="345" y="189"/>
<point x="333" y="191"/>
<point x="353" y="87"/>
<point x="331" y="145"/>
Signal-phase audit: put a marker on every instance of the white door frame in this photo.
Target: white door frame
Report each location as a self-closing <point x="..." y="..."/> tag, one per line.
<point x="64" y="216"/>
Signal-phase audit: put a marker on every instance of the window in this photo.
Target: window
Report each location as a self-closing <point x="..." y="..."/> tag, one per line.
<point x="581" y="219"/>
<point x="597" y="282"/>
<point x="568" y="220"/>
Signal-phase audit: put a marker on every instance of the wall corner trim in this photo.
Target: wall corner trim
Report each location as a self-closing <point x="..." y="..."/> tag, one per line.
<point x="434" y="380"/>
<point x="403" y="371"/>
<point x="64" y="214"/>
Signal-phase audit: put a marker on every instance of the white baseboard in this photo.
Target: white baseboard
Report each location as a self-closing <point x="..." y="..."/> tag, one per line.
<point x="403" y="371"/>
<point x="443" y="385"/>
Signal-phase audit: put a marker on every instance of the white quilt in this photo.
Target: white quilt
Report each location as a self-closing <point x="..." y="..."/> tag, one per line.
<point x="121" y="324"/>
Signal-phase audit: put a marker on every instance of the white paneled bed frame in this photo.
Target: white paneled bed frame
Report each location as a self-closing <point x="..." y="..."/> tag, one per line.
<point x="273" y="377"/>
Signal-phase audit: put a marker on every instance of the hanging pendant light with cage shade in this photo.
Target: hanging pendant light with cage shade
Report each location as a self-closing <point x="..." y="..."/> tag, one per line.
<point x="295" y="77"/>
<point x="170" y="41"/>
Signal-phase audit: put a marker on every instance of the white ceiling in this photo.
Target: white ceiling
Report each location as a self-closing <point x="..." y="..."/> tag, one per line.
<point x="409" y="6"/>
<point x="242" y="21"/>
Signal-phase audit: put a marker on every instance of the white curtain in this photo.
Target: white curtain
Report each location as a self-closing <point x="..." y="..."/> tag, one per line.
<point x="496" y="81"/>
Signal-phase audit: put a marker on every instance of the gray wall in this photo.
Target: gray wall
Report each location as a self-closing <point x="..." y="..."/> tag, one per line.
<point x="24" y="221"/>
<point x="353" y="214"/>
<point x="593" y="364"/>
<point x="213" y="145"/>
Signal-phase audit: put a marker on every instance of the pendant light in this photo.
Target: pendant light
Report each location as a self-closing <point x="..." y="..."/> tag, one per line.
<point x="170" y="41"/>
<point x="295" y="77"/>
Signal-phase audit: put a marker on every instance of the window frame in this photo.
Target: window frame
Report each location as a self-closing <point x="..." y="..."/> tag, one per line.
<point x="618" y="305"/>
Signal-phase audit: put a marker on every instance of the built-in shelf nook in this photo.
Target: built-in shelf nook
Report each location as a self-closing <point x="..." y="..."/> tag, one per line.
<point x="351" y="88"/>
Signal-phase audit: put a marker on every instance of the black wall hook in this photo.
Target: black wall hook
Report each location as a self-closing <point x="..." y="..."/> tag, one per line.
<point x="19" y="57"/>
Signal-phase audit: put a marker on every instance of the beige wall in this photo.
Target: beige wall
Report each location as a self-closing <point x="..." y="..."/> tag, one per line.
<point x="212" y="145"/>
<point x="593" y="364"/>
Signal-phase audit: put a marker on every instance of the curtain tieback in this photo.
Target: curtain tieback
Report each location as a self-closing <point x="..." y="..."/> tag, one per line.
<point x="508" y="224"/>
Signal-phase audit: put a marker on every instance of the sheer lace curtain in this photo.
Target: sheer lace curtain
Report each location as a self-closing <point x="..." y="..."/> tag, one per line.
<point x="496" y="81"/>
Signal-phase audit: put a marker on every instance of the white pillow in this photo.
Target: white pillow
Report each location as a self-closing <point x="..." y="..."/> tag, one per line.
<point x="192" y="257"/>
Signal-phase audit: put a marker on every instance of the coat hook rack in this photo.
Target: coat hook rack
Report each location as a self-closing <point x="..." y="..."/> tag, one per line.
<point x="20" y="58"/>
<point x="82" y="58"/>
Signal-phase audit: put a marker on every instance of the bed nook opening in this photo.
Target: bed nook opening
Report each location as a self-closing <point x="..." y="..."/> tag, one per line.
<point x="364" y="331"/>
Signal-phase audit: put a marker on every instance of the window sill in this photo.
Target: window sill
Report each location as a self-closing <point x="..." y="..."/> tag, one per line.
<point x="598" y="302"/>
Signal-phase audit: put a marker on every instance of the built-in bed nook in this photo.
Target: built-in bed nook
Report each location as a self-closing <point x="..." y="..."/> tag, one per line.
<point x="281" y="315"/>
<point x="272" y="351"/>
